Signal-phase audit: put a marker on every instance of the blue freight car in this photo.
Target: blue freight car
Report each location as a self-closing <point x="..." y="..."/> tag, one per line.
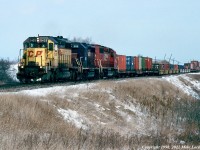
<point x="129" y="63"/>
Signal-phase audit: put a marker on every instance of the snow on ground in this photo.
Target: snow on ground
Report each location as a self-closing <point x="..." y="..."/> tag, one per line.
<point x="58" y="90"/>
<point x="124" y="116"/>
<point x="99" y="107"/>
<point x="73" y="117"/>
<point x="104" y="115"/>
<point x="13" y="71"/>
<point x="195" y="83"/>
<point x="69" y="115"/>
<point x="186" y="84"/>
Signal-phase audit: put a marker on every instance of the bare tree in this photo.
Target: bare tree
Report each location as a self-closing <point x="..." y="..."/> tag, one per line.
<point x="4" y="67"/>
<point x="87" y="40"/>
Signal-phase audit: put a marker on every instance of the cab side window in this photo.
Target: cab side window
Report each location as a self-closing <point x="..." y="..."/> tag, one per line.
<point x="26" y="45"/>
<point x="51" y="46"/>
<point x="32" y="45"/>
<point x="101" y="50"/>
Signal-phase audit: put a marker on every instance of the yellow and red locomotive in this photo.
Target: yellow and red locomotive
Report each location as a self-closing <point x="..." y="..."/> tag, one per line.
<point x="44" y="58"/>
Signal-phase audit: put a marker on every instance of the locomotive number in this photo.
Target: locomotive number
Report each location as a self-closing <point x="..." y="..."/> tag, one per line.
<point x="31" y="53"/>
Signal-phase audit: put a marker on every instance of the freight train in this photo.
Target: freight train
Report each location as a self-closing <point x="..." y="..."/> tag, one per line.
<point x="50" y="59"/>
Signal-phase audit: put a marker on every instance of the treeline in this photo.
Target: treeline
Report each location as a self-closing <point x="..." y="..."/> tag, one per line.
<point x="87" y="40"/>
<point x="4" y="70"/>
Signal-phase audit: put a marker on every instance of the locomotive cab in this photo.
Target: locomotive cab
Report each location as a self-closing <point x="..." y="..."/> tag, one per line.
<point x="32" y="60"/>
<point x="44" y="58"/>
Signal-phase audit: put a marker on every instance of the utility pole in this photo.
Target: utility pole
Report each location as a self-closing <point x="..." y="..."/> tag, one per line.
<point x="170" y="58"/>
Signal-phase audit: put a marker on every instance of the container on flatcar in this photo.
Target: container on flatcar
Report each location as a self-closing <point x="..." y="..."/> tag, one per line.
<point x="181" y="67"/>
<point x="121" y="62"/>
<point x="140" y="62"/>
<point x="129" y="63"/>
<point x="187" y="65"/>
<point x="148" y="62"/>
<point x="156" y="66"/>
<point x="194" y="65"/>
<point x="161" y="69"/>
<point x="171" y="66"/>
<point x="166" y="66"/>
<point x="175" y="67"/>
<point x="161" y="66"/>
<point x="136" y="62"/>
<point x="199" y="66"/>
<point x="143" y="63"/>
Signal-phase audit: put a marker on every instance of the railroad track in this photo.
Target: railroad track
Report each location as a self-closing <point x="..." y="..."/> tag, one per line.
<point x="16" y="86"/>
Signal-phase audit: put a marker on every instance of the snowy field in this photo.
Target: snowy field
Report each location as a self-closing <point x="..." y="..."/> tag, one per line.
<point x="97" y="105"/>
<point x="186" y="84"/>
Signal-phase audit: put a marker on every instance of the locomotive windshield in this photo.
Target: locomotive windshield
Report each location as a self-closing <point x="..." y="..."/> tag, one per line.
<point x="35" y="45"/>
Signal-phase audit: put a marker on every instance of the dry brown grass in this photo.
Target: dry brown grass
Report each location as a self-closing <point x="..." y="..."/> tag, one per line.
<point x="34" y="123"/>
<point x="194" y="76"/>
<point x="153" y="94"/>
<point x="23" y="112"/>
<point x="165" y="102"/>
<point x="29" y="123"/>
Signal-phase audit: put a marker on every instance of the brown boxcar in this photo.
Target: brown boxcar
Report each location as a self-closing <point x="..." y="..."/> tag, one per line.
<point x="121" y="62"/>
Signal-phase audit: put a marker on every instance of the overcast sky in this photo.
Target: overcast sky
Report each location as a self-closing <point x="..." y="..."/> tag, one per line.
<point x="147" y="27"/>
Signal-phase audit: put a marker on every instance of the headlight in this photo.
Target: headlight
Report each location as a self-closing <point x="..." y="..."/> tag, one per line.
<point x="22" y="66"/>
<point x="41" y="67"/>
